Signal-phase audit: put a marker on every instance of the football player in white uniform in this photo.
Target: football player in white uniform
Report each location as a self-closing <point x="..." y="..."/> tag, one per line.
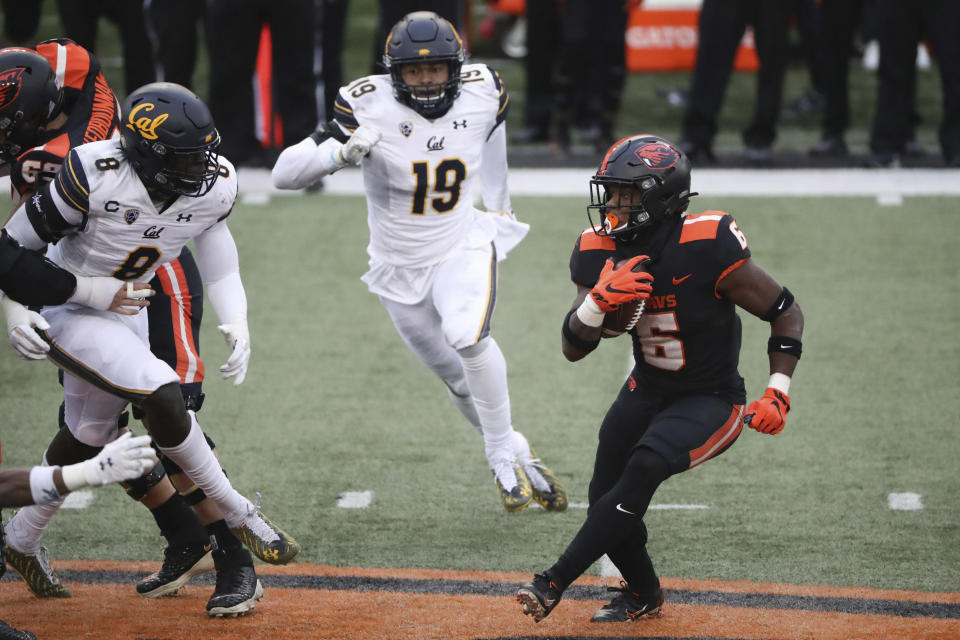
<point x="425" y="135"/>
<point x="123" y="209"/>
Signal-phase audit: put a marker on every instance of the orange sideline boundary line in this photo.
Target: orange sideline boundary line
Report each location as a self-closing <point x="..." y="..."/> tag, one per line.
<point x="115" y="611"/>
<point x="728" y="586"/>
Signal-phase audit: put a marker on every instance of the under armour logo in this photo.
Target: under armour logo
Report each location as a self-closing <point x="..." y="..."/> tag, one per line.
<point x="184" y="217"/>
<point x="458" y="124"/>
<point x="153" y="232"/>
<point x="106" y="463"/>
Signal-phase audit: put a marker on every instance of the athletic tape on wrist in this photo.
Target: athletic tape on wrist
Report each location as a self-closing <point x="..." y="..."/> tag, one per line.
<point x="574" y="339"/>
<point x="590" y="313"/>
<point x="780" y="382"/>
<point x="42" y="487"/>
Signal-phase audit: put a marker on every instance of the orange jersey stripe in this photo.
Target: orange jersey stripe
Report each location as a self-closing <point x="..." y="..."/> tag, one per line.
<point x="590" y="241"/>
<point x="702" y="226"/>
<point x="75" y="64"/>
<point x="189" y="364"/>
<point x="721" y="439"/>
<point x="725" y="273"/>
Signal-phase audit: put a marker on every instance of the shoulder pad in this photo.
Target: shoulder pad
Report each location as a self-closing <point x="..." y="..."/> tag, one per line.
<point x="590" y="241"/>
<point x="701" y="226"/>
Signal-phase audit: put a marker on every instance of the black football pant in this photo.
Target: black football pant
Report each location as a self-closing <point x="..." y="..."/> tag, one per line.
<point x="645" y="438"/>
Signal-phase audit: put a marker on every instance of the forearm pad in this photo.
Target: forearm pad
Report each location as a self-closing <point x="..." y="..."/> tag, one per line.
<point x="31" y="279"/>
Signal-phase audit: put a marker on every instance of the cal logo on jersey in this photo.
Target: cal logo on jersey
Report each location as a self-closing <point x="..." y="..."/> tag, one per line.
<point x="144" y="124"/>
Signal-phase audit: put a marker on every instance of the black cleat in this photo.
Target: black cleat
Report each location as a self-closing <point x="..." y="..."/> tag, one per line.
<point x="237" y="591"/>
<point x="627" y="605"/>
<point x="538" y="597"/>
<point x="180" y="564"/>
<point x="9" y="633"/>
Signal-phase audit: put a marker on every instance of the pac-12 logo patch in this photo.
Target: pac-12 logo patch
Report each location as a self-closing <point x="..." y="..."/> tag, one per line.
<point x="657" y="155"/>
<point x="130" y="216"/>
<point x="406" y="128"/>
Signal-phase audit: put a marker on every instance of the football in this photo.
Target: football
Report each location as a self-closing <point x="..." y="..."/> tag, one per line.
<point x="623" y="319"/>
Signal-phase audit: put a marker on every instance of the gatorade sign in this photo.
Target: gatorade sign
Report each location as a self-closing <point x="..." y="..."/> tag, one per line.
<point x="662" y="35"/>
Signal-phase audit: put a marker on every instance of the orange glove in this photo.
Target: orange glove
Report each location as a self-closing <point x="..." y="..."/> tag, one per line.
<point x="618" y="285"/>
<point x="769" y="413"/>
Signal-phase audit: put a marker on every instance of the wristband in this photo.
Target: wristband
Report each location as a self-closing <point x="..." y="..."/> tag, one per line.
<point x="583" y="345"/>
<point x="590" y="313"/>
<point x="780" y="382"/>
<point x="785" y="344"/>
<point x="42" y="487"/>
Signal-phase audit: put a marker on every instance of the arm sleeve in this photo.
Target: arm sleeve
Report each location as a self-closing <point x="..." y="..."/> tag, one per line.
<point x="312" y="158"/>
<point x="219" y="264"/>
<point x="493" y="172"/>
<point x="29" y="278"/>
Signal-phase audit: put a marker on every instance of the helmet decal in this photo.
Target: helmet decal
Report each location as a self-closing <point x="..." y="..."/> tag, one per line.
<point x="10" y="85"/>
<point x="145" y="126"/>
<point x="657" y="155"/>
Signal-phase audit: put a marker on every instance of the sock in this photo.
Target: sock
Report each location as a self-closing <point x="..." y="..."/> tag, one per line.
<point x="463" y="401"/>
<point x="486" y="374"/>
<point x="195" y="457"/>
<point x="178" y="523"/>
<point x="228" y="551"/>
<point x="24" y="530"/>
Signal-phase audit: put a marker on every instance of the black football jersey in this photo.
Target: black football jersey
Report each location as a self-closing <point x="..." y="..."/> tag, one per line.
<point x="688" y="339"/>
<point x="93" y="113"/>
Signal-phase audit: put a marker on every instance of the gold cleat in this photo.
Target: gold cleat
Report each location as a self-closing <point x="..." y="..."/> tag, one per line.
<point x="519" y="497"/>
<point x="548" y="492"/>
<point x="266" y="540"/>
<point x="36" y="571"/>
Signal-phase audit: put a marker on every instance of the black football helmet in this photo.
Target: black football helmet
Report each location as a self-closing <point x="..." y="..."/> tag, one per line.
<point x="29" y="99"/>
<point x="169" y="137"/>
<point x="655" y="167"/>
<point x="424" y="36"/>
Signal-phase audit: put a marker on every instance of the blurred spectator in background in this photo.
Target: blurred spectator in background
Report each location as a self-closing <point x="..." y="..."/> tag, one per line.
<point x="809" y="24"/>
<point x="80" y="19"/>
<point x="331" y="21"/>
<point x="901" y="27"/>
<point x="722" y="24"/>
<point x="20" y="22"/>
<point x="542" y="44"/>
<point x="590" y="71"/>
<point x="840" y="20"/>
<point x="391" y="11"/>
<point x="172" y="26"/>
<point x="233" y="37"/>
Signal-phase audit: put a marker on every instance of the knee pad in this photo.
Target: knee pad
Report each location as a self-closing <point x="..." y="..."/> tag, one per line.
<point x="138" y="487"/>
<point x="193" y="496"/>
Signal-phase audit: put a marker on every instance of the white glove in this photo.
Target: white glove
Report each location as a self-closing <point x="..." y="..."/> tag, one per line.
<point x="99" y="292"/>
<point x="237" y="336"/>
<point x="363" y="139"/>
<point x="126" y="458"/>
<point x="20" y="323"/>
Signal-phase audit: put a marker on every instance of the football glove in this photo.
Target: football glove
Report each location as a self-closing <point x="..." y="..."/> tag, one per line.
<point x="126" y="458"/>
<point x="769" y="413"/>
<point x="237" y="336"/>
<point x="20" y="327"/>
<point x="618" y="286"/>
<point x="363" y="139"/>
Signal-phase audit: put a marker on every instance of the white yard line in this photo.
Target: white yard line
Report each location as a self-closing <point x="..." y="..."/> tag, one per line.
<point x="355" y="499"/>
<point x="905" y="501"/>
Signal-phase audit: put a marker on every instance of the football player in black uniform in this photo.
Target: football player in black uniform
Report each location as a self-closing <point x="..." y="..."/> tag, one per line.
<point x="683" y="402"/>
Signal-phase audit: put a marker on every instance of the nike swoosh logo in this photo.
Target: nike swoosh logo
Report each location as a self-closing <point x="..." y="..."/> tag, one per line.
<point x="786" y="346"/>
<point x="612" y="290"/>
<point x="620" y="508"/>
<point x="677" y="281"/>
<point x="780" y="306"/>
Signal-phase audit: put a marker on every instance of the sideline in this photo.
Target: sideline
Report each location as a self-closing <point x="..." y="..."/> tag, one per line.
<point x="713" y="182"/>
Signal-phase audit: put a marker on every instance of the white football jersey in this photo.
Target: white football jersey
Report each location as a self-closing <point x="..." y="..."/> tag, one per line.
<point x="419" y="179"/>
<point x="120" y="232"/>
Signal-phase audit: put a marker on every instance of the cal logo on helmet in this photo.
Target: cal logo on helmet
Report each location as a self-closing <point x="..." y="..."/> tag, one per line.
<point x="657" y="155"/>
<point x="144" y="124"/>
